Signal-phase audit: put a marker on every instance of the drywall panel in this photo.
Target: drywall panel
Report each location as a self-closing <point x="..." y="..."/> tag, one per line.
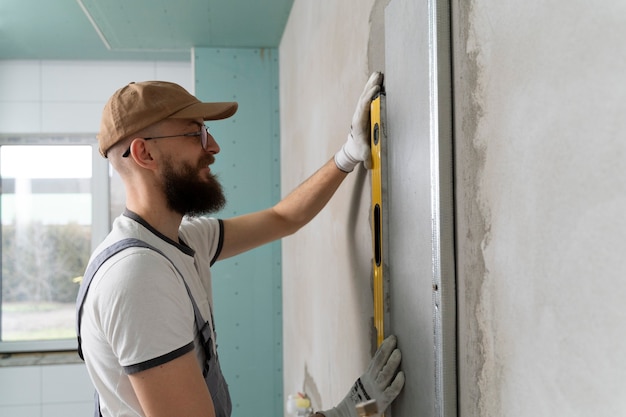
<point x="247" y="288"/>
<point x="421" y="248"/>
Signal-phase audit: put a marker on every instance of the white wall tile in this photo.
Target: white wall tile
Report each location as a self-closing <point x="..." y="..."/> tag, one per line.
<point x="21" y="411"/>
<point x="68" y="96"/>
<point x="20" y="81"/>
<point x="20" y="117"/>
<point x="71" y="117"/>
<point x="20" y="385"/>
<point x="67" y="410"/>
<point x="96" y="80"/>
<point x="90" y="80"/>
<point x="66" y="384"/>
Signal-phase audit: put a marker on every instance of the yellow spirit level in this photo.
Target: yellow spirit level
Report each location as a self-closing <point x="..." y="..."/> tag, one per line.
<point x="379" y="189"/>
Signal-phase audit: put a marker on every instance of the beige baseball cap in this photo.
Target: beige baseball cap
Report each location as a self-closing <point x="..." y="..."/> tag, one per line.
<point x="139" y="105"/>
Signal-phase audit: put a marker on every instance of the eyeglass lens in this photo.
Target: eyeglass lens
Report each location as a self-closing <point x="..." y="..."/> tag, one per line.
<point x="204" y="137"/>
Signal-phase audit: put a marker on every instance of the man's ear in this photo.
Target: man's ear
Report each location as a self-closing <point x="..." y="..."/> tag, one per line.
<point x="141" y="154"/>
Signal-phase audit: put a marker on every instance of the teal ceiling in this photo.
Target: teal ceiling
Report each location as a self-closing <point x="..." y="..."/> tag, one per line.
<point x="136" y="29"/>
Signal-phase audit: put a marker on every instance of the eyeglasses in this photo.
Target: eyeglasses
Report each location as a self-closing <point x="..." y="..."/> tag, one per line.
<point x="203" y="133"/>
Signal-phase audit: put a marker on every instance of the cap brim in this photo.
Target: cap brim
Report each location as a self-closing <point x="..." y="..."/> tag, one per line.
<point x="207" y="111"/>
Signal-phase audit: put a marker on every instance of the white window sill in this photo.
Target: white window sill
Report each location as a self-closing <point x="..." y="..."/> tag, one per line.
<point x="41" y="358"/>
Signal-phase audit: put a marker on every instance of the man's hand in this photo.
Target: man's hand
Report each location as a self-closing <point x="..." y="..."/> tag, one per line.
<point x="357" y="147"/>
<point x="379" y="382"/>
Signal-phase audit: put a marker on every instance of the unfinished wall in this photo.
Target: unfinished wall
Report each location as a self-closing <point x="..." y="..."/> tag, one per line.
<point x="327" y="297"/>
<point x="540" y="104"/>
<point x="326" y="54"/>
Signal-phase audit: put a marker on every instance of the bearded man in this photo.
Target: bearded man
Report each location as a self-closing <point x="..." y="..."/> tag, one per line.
<point x="144" y="309"/>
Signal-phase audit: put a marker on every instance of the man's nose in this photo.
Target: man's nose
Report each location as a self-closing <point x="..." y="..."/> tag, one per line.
<point x="212" y="145"/>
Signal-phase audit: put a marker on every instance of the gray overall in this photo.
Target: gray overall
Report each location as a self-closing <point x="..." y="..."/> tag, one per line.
<point x="212" y="372"/>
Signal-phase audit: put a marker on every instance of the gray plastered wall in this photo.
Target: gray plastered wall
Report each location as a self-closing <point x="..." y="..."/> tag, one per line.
<point x="539" y="104"/>
<point x="327" y="267"/>
<point x="539" y="198"/>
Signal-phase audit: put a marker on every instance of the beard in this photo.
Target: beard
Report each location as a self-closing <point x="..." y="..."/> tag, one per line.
<point x="189" y="195"/>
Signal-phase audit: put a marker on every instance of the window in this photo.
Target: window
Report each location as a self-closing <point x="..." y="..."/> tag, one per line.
<point x="54" y="207"/>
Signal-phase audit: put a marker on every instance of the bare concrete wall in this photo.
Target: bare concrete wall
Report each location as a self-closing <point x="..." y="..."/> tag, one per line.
<point x="540" y="104"/>
<point x="327" y="297"/>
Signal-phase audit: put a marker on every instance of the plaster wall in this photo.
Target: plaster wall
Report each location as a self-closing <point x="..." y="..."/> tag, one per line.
<point x="327" y="296"/>
<point x="327" y="267"/>
<point x="539" y="105"/>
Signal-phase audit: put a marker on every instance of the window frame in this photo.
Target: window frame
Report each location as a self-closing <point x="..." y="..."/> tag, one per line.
<point x="100" y="194"/>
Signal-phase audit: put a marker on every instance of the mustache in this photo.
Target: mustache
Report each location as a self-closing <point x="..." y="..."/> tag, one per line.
<point x="208" y="160"/>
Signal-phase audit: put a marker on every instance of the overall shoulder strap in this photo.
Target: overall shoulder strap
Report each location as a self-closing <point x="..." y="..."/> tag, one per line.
<point x="102" y="257"/>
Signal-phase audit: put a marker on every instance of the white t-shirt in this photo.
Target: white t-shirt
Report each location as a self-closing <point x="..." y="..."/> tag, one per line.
<point x="137" y="313"/>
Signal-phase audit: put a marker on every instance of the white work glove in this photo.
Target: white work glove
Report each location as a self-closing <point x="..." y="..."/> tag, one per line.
<point x="357" y="147"/>
<point x="379" y="382"/>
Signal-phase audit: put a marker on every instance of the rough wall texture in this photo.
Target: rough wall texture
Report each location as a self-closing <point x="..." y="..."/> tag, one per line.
<point x="327" y="297"/>
<point x="539" y="114"/>
<point x="540" y="194"/>
<point x="327" y="267"/>
<point x="471" y="218"/>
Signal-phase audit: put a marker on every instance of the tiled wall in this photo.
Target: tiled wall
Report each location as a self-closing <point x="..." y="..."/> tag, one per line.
<point x="46" y="391"/>
<point x="59" y="97"/>
<point x="68" y="96"/>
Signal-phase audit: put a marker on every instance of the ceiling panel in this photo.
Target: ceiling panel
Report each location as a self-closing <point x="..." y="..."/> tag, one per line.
<point x="135" y="29"/>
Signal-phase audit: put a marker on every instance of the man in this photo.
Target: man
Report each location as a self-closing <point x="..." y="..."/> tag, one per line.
<point x="145" y="323"/>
